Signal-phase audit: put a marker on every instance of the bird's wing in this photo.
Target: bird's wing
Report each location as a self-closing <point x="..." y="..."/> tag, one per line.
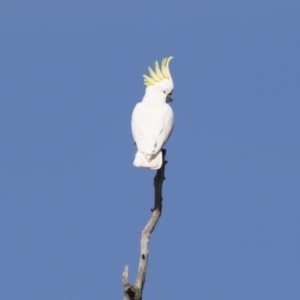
<point x="143" y="128"/>
<point x="151" y="126"/>
<point x="167" y="126"/>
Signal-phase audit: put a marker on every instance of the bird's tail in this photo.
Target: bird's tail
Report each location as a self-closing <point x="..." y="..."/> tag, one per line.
<point x="153" y="162"/>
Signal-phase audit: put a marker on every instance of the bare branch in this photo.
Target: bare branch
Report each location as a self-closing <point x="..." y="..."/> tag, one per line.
<point x="158" y="182"/>
<point x="135" y="292"/>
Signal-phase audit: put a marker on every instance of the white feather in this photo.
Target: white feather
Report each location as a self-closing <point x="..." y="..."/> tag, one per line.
<point x="152" y="123"/>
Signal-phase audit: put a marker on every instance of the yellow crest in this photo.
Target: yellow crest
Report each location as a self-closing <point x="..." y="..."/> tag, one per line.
<point x="160" y="73"/>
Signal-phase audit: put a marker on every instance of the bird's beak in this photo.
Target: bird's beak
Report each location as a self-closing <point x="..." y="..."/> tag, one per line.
<point x="170" y="98"/>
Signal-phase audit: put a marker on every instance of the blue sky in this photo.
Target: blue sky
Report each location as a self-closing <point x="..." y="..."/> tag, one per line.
<point x="73" y="205"/>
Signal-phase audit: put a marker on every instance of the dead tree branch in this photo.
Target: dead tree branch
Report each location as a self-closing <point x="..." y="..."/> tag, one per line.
<point x="135" y="292"/>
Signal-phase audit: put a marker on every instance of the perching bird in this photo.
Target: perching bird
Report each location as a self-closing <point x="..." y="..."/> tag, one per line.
<point x="153" y="119"/>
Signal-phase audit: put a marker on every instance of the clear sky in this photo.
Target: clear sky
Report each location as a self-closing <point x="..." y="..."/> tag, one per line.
<point x="72" y="205"/>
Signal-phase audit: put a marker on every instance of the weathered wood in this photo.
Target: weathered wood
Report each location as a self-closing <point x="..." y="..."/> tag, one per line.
<point x="135" y="292"/>
<point x="129" y="290"/>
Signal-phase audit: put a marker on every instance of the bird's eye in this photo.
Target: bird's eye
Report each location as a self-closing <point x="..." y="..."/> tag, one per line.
<point x="164" y="91"/>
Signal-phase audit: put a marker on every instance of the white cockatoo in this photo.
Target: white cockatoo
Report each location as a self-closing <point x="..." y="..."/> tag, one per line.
<point x="153" y="119"/>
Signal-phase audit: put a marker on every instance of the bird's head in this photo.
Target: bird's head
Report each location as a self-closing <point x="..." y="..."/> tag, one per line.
<point x="160" y="80"/>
